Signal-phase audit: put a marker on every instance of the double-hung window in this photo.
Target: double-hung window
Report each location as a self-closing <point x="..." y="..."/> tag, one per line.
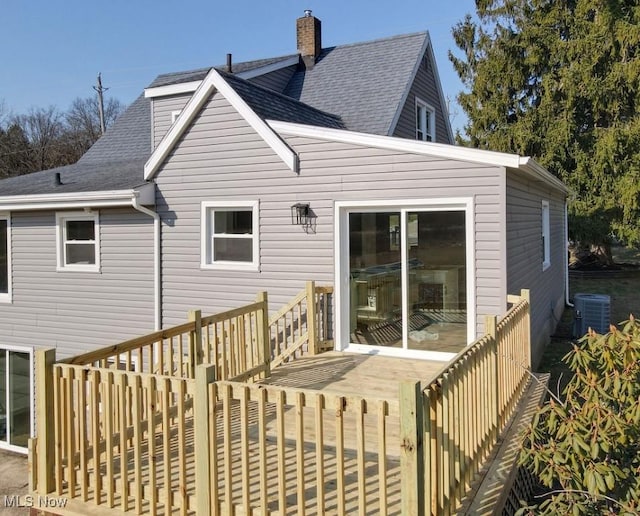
<point x="230" y="235"/>
<point x="425" y="121"/>
<point x="5" y="258"/>
<point x="78" y="241"/>
<point x="546" y="236"/>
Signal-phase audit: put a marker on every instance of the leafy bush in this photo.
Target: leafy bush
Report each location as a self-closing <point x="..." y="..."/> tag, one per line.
<point x="585" y="447"/>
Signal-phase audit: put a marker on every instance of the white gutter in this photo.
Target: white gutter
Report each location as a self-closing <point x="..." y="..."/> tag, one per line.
<point x="135" y="203"/>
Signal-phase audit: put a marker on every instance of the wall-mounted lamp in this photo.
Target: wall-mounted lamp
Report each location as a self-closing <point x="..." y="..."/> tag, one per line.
<point x="300" y="214"/>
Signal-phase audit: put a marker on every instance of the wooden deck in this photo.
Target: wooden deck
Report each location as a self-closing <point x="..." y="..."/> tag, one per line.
<point x="341" y="465"/>
<point x="234" y="414"/>
<point x="371" y="376"/>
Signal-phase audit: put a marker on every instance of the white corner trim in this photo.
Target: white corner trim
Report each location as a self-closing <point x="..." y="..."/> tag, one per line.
<point x="212" y="82"/>
<point x="273" y="67"/>
<point x="172" y="89"/>
<point x="440" y="150"/>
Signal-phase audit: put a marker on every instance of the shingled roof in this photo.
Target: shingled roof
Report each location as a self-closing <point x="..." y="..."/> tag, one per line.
<point x="270" y="105"/>
<point x="357" y="87"/>
<point x="167" y="79"/>
<point x="363" y="83"/>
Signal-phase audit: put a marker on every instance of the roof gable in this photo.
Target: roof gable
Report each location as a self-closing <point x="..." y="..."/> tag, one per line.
<point x="213" y="82"/>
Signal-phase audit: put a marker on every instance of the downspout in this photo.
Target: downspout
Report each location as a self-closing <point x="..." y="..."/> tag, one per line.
<point x="566" y="256"/>
<point x="135" y="203"/>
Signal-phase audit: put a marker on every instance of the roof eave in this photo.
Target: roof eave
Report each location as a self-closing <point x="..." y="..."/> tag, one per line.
<point x="72" y="200"/>
<point x="440" y="150"/>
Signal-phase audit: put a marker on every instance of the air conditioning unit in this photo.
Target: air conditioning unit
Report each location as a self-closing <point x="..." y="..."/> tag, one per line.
<point x="591" y="311"/>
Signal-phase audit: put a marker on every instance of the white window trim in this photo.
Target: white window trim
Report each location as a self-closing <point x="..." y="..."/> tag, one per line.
<point x="432" y="120"/>
<point x="341" y="271"/>
<point x="175" y="115"/>
<point x="546" y="236"/>
<point x="29" y="350"/>
<point x="61" y="218"/>
<point x="7" y="297"/>
<point x="205" y="235"/>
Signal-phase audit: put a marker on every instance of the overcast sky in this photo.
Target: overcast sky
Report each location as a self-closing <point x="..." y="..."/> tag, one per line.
<point x="52" y="50"/>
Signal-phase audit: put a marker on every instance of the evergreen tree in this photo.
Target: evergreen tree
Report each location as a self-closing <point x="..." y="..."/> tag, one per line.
<point x="558" y="80"/>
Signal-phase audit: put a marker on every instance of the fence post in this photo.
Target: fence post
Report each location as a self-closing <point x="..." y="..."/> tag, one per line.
<point x="264" y="339"/>
<point x="490" y="326"/>
<point x="45" y="358"/>
<point x="204" y="375"/>
<point x="412" y="449"/>
<point x="312" y="310"/>
<point x="526" y="295"/>
<point x="196" y="351"/>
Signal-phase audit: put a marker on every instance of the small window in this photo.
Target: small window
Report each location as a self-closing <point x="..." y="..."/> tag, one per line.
<point x="425" y="122"/>
<point x="230" y="235"/>
<point x="175" y="115"/>
<point x="5" y="258"/>
<point x="546" y="236"/>
<point x="78" y="241"/>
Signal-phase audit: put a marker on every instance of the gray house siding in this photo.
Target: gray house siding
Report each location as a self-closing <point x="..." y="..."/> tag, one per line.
<point x="240" y="166"/>
<point x="161" y="109"/>
<point x="277" y="80"/>
<point x="425" y="88"/>
<point x="78" y="311"/>
<point x="525" y="255"/>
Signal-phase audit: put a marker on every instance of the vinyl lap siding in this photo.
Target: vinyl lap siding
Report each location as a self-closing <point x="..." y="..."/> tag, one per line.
<point x="79" y="311"/>
<point x="162" y="107"/>
<point x="425" y="88"/>
<point x="276" y="81"/>
<point x="221" y="158"/>
<point x="524" y="255"/>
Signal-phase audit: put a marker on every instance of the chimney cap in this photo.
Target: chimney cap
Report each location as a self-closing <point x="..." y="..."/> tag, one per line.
<point x="307" y="13"/>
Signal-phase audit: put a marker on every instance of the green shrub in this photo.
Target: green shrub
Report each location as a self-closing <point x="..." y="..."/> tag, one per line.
<point x="585" y="447"/>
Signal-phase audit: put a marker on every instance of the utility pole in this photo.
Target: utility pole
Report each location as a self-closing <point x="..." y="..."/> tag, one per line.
<point x="100" y="91"/>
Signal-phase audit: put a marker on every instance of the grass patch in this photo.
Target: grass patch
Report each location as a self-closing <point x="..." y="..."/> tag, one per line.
<point x="625" y="299"/>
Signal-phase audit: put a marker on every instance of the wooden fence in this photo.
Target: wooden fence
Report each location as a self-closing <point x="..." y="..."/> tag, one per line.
<point x="449" y="426"/>
<point x="292" y="333"/>
<point x="233" y="341"/>
<point x="276" y="450"/>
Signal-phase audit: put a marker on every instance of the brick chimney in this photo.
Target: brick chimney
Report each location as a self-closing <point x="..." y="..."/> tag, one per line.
<point x="309" y="38"/>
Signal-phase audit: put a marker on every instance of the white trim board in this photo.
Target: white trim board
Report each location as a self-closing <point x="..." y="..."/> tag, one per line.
<point x="100" y="199"/>
<point x="341" y="260"/>
<point x="215" y="82"/>
<point x="191" y="86"/>
<point x="441" y="150"/>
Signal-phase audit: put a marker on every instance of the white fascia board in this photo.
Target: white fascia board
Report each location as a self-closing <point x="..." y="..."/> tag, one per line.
<point x="215" y="82"/>
<point x="256" y="72"/>
<point x="439" y="150"/>
<point x="533" y="168"/>
<point x="443" y="100"/>
<point x="407" y="88"/>
<point x="172" y="89"/>
<point x="106" y="199"/>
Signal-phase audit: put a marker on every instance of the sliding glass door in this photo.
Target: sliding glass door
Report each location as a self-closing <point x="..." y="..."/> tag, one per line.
<point x="407" y="270"/>
<point x="16" y="396"/>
